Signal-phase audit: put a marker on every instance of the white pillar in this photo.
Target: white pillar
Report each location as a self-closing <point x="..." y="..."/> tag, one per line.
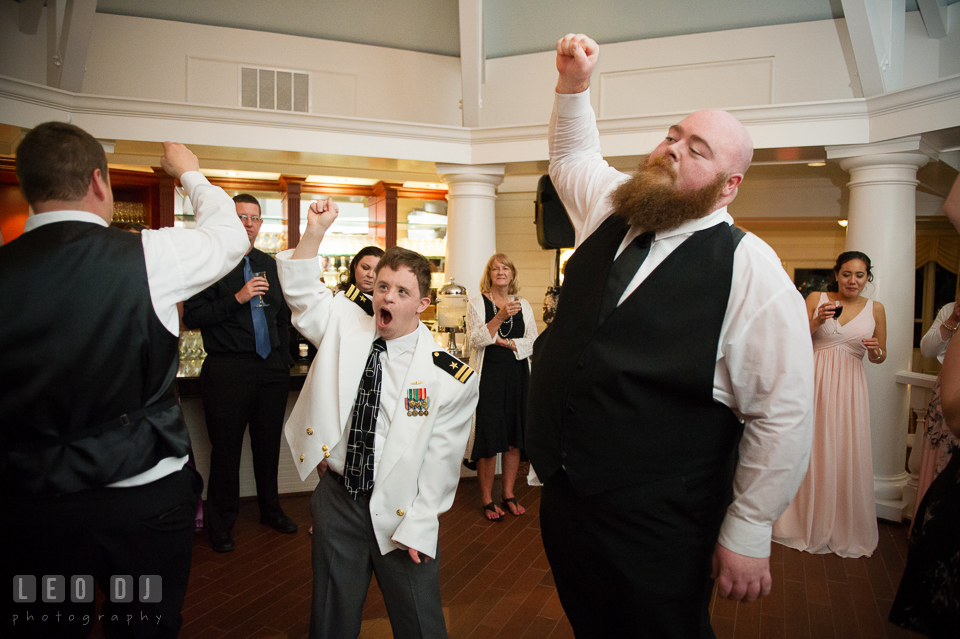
<point x="882" y="224"/>
<point x="471" y="220"/>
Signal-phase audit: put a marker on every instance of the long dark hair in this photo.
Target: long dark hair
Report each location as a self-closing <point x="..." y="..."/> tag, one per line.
<point x="376" y="251"/>
<point x="842" y="259"/>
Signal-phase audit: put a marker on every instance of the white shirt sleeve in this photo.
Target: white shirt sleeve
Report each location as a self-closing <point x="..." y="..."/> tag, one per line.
<point x="765" y="373"/>
<point x="582" y="177"/>
<point x="932" y="344"/>
<point x="182" y="262"/>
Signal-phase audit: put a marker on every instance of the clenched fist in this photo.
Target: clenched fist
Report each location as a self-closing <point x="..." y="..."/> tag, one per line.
<point x="576" y="57"/>
<point x="178" y="159"/>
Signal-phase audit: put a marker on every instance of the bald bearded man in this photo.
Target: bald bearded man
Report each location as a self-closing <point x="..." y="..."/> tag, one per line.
<point x="670" y="400"/>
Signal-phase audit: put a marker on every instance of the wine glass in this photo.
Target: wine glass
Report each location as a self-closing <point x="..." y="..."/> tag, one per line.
<point x="261" y="303"/>
<point x="836" y="318"/>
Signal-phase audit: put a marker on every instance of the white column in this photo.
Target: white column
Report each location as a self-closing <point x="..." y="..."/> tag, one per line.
<point x="471" y="220"/>
<point x="882" y="224"/>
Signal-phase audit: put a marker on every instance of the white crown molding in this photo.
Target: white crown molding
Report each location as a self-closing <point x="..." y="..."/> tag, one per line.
<point x="26" y="104"/>
<point x="898" y="114"/>
<point x="940" y="91"/>
<point x="914" y="111"/>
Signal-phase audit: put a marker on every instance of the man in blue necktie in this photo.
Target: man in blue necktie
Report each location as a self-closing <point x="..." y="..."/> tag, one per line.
<point x="245" y="380"/>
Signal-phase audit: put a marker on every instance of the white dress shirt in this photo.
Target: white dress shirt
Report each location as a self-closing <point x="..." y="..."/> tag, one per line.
<point x="764" y="369"/>
<point x="394" y="364"/>
<point x="932" y="344"/>
<point x="180" y="263"/>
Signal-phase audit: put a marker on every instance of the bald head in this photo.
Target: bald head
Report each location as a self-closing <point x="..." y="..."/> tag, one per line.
<point x="705" y="147"/>
<point x="731" y="140"/>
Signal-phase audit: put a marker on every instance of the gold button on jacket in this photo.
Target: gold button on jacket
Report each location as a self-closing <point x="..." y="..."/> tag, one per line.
<point x="309" y="431"/>
<point x="301" y="457"/>
<point x="324" y="448"/>
<point x="399" y="512"/>
<point x="325" y="455"/>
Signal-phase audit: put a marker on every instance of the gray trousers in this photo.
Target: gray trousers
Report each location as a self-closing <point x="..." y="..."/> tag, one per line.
<point x="346" y="555"/>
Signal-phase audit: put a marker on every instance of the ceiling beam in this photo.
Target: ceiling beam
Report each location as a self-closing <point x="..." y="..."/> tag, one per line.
<point x="934" y="15"/>
<point x="68" y="43"/>
<point x="877" y="30"/>
<point x="471" y="60"/>
<point x="30" y="11"/>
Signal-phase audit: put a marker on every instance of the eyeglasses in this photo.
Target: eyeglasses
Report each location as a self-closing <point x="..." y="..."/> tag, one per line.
<point x="252" y="218"/>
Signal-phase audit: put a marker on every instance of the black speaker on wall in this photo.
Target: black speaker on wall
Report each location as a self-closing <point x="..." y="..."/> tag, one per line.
<point x="554" y="229"/>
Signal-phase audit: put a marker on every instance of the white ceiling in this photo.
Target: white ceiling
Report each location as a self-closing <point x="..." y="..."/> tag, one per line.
<point x="511" y="27"/>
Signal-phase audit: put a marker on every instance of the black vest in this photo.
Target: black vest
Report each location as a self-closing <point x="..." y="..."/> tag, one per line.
<point x="632" y="399"/>
<point x="87" y="369"/>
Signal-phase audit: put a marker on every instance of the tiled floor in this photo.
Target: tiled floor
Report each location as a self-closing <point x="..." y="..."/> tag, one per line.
<point x="496" y="583"/>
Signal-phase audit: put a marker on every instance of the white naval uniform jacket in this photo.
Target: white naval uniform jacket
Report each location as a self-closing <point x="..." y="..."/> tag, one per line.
<point x="419" y="469"/>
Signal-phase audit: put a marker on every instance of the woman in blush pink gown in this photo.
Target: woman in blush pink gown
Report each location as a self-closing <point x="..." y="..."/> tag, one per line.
<point x="834" y="510"/>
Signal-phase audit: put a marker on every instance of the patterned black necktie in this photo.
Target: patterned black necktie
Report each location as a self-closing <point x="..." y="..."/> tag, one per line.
<point x="622" y="272"/>
<point x="358" y="466"/>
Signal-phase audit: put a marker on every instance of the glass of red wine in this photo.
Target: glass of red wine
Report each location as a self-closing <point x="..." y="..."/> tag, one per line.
<point x="836" y="316"/>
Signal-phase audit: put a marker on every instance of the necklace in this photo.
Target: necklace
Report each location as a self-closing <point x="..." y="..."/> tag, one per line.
<point x="508" y="323"/>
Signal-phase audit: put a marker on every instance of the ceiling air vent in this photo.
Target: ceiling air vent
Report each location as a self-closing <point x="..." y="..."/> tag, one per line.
<point x="274" y="89"/>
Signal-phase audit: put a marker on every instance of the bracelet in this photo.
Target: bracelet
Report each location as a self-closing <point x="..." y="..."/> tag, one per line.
<point x="880" y="356"/>
<point x="952" y="329"/>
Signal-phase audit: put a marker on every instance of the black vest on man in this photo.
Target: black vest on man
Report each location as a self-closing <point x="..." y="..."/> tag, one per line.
<point x="87" y="374"/>
<point x="632" y="399"/>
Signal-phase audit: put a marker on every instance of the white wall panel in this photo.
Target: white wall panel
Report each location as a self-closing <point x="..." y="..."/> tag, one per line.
<point x="140" y="57"/>
<point x="212" y="81"/>
<point x="724" y="84"/>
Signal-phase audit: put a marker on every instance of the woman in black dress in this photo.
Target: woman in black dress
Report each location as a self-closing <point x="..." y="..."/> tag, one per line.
<point x="501" y="328"/>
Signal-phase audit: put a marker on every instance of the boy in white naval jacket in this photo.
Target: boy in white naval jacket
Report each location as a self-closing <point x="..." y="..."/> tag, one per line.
<point x="383" y="417"/>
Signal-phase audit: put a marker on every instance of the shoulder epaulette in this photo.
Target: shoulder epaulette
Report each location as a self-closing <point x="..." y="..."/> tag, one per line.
<point x="353" y="293"/>
<point x="447" y="362"/>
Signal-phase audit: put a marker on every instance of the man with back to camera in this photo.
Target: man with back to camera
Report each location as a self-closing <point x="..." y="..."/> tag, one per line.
<point x="245" y="379"/>
<point x="674" y="335"/>
<point x="94" y="444"/>
<point x="383" y="417"/>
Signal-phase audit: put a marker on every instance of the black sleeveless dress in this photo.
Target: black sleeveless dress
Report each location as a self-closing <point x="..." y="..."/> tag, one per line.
<point x="502" y="408"/>
<point x="928" y="600"/>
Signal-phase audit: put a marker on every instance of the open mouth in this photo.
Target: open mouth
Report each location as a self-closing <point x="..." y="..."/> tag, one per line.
<point x="384" y="318"/>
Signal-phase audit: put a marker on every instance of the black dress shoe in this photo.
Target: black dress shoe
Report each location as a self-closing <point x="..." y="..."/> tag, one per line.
<point x="221" y="542"/>
<point x="280" y="523"/>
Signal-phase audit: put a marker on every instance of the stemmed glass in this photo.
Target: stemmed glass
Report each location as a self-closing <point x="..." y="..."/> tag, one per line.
<point x="261" y="303"/>
<point x="836" y="317"/>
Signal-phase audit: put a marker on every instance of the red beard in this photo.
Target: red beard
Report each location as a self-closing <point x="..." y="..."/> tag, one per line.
<point x="650" y="200"/>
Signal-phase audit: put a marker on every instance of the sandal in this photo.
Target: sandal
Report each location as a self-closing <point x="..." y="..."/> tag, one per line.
<point x="499" y="516"/>
<point x="505" y="504"/>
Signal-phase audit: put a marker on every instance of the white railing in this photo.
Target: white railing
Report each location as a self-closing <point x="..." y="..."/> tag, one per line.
<point x="921" y="391"/>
